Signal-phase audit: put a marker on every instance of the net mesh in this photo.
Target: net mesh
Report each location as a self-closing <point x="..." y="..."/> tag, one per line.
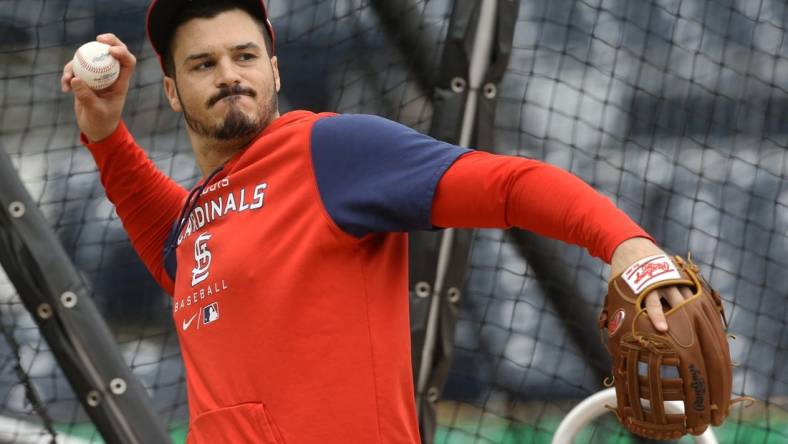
<point x="335" y="55"/>
<point x="674" y="109"/>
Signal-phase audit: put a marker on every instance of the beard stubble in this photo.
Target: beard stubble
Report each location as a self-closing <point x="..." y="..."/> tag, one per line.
<point x="236" y="124"/>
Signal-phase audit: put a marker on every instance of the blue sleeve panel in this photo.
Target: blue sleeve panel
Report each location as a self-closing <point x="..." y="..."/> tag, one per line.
<point x="375" y="175"/>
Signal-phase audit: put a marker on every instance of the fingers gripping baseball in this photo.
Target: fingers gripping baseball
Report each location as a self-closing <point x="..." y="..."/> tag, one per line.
<point x="65" y="79"/>
<point x="98" y="111"/>
<point x="121" y="52"/>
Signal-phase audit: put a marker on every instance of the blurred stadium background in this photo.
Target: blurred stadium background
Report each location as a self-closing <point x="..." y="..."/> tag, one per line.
<point x="676" y="109"/>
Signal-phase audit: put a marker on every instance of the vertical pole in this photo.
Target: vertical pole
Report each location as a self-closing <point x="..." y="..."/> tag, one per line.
<point x="480" y="60"/>
<point x="475" y="54"/>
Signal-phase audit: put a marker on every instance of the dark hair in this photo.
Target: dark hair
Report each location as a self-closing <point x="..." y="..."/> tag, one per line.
<point x="207" y="9"/>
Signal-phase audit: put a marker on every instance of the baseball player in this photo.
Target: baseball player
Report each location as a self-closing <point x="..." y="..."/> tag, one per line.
<point x="287" y="263"/>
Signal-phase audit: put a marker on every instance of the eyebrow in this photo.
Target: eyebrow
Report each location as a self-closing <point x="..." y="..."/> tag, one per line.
<point x="236" y="48"/>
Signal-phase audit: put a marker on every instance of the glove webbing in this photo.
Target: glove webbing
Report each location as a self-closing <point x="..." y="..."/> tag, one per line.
<point x="653" y="388"/>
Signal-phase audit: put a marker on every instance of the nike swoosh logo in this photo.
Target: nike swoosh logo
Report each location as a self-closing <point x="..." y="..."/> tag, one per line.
<point x="187" y="324"/>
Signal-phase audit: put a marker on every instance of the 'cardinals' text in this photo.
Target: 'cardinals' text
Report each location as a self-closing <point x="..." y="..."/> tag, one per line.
<point x="236" y="202"/>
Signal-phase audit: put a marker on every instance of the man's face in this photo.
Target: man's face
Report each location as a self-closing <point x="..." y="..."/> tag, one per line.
<point x="225" y="83"/>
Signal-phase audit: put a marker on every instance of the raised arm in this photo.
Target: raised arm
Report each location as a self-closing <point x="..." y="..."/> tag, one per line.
<point x="146" y="200"/>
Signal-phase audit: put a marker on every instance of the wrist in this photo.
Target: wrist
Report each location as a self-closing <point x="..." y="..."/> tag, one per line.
<point x="103" y="134"/>
<point x="101" y="138"/>
<point x="630" y="251"/>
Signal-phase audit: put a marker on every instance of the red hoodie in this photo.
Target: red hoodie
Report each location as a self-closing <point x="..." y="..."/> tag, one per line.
<point x="291" y="283"/>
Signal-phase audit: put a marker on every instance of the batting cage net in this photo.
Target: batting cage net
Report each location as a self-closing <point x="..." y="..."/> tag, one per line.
<point x="675" y="109"/>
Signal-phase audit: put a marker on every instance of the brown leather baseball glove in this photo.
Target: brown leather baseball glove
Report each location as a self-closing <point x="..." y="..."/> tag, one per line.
<point x="689" y="363"/>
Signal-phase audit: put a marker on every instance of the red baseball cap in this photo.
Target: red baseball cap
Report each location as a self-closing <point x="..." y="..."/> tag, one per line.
<point x="162" y="12"/>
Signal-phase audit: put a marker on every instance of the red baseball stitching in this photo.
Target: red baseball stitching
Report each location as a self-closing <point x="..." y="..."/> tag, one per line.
<point x="91" y="68"/>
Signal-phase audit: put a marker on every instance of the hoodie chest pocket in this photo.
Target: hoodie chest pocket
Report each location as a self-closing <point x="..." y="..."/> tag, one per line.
<point x="243" y="423"/>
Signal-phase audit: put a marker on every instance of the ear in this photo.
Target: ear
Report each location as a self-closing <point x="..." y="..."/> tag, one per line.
<point x="172" y="94"/>
<point x="275" y="66"/>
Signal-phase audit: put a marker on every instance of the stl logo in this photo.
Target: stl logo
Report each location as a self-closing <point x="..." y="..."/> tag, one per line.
<point x="202" y="259"/>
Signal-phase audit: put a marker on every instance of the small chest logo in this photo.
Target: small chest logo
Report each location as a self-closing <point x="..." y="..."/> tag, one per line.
<point x="210" y="313"/>
<point x="615" y="322"/>
<point x="202" y="259"/>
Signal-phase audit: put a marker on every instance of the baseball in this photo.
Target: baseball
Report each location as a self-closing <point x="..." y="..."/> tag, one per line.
<point x="95" y="66"/>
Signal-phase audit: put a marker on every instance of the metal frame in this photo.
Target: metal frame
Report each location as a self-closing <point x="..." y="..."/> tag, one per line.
<point x="476" y="52"/>
<point x="53" y="292"/>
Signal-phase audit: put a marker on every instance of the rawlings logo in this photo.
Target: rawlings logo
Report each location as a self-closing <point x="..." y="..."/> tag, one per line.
<point x="615" y="322"/>
<point x="699" y="386"/>
<point x="650" y="270"/>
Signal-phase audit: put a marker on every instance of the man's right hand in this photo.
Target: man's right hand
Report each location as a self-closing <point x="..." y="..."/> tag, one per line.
<point x="98" y="112"/>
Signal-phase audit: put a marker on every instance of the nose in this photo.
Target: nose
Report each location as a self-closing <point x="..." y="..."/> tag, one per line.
<point x="226" y="74"/>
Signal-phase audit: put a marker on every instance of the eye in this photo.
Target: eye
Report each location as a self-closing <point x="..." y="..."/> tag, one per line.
<point x="244" y="57"/>
<point x="202" y="66"/>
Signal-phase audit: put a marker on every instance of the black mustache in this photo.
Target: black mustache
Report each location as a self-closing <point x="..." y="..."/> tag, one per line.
<point x="231" y="91"/>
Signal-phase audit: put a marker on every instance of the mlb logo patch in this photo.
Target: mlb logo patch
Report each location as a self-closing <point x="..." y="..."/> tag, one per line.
<point x="210" y="313"/>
